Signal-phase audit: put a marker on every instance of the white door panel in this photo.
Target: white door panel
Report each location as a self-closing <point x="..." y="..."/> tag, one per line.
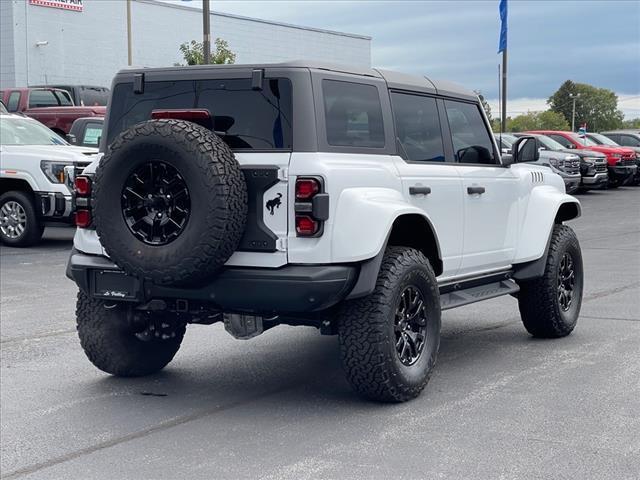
<point x="491" y="217"/>
<point x="443" y="205"/>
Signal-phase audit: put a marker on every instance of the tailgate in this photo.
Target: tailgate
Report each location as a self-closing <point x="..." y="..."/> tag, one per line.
<point x="264" y="243"/>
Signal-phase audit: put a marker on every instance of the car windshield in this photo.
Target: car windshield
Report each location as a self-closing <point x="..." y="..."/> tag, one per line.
<point x="602" y="140"/>
<point x="507" y="140"/>
<point x="583" y="140"/>
<point x="24" y="131"/>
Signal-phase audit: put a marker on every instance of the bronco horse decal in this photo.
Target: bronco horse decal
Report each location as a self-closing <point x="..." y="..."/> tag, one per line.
<point x="274" y="203"/>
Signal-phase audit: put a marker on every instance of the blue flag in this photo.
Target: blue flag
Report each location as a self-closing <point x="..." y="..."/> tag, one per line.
<point x="502" y="46"/>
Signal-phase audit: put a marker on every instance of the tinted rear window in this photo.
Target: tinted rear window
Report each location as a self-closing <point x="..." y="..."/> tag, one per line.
<point x="246" y="118"/>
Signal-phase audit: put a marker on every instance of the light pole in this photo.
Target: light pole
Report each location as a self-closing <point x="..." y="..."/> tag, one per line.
<point x="574" y="97"/>
<point x="206" y="31"/>
<point x="129" y="53"/>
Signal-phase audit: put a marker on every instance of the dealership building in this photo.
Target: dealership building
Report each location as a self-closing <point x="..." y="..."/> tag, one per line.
<point x="85" y="41"/>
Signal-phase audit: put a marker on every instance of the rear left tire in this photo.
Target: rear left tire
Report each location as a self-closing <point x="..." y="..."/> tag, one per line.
<point x="114" y="346"/>
<point x="389" y="340"/>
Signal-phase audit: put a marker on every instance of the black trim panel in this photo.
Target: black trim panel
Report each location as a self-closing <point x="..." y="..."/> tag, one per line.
<point x="257" y="236"/>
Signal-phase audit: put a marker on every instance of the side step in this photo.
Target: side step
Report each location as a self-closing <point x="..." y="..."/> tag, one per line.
<point x="458" y="298"/>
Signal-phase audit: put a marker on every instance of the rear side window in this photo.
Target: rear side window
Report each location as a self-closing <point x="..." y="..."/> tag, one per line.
<point x="13" y="102"/>
<point x="245" y="118"/>
<point x="470" y="137"/>
<point x="629" y="141"/>
<point x="418" y="127"/>
<point x="353" y="114"/>
<point x="49" y="98"/>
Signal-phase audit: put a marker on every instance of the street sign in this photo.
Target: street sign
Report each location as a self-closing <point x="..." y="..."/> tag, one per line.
<point x="73" y="5"/>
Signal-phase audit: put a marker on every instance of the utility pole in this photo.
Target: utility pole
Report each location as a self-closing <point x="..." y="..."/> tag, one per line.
<point x="206" y="30"/>
<point x="574" y="97"/>
<point x="129" y="53"/>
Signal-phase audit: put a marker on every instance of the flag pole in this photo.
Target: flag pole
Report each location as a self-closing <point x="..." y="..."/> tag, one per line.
<point x="504" y="89"/>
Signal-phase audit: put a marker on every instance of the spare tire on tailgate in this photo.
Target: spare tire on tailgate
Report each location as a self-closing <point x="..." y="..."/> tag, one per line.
<point x="170" y="201"/>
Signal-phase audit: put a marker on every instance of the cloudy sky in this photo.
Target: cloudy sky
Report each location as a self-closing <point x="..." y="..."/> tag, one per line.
<point x="590" y="41"/>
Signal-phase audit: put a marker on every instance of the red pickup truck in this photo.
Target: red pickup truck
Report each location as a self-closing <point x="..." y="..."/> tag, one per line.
<point x="50" y="106"/>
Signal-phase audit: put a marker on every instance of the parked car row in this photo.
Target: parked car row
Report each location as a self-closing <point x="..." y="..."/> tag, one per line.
<point x="603" y="163"/>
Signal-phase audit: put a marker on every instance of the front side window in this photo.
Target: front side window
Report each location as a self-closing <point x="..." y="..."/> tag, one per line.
<point x="470" y="137"/>
<point x="245" y="118"/>
<point x="14" y="102"/>
<point x="418" y="127"/>
<point x="565" y="142"/>
<point x="353" y="114"/>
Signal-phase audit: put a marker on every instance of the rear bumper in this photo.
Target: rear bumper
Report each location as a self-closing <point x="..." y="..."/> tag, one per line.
<point x="290" y="289"/>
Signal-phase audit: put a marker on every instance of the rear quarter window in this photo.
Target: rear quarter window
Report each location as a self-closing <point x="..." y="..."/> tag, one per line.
<point x="353" y="114"/>
<point x="245" y="118"/>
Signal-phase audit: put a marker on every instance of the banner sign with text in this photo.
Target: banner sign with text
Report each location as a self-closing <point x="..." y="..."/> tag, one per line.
<point x="73" y="5"/>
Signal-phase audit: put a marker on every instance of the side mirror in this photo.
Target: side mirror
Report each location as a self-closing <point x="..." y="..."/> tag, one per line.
<point x="525" y="150"/>
<point x="71" y="138"/>
<point x="571" y="146"/>
<point x="507" y="159"/>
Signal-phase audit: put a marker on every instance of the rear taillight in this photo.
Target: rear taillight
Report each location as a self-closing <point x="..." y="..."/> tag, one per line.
<point x="83" y="218"/>
<point x="306" y="226"/>
<point x="82" y="190"/>
<point x="83" y="186"/>
<point x="311" y="206"/>
<point x="306" y="188"/>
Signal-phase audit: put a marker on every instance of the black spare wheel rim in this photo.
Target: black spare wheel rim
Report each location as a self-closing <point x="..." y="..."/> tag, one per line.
<point x="410" y="325"/>
<point x="566" y="281"/>
<point x="156" y="203"/>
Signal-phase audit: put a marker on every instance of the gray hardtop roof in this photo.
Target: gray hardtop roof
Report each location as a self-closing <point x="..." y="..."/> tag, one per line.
<point x="397" y="80"/>
<point x="624" y="130"/>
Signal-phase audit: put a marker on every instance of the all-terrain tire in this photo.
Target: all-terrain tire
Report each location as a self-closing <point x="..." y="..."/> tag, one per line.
<point x="110" y="343"/>
<point x="217" y="193"/>
<point x="541" y="300"/>
<point x="33" y="227"/>
<point x="366" y="329"/>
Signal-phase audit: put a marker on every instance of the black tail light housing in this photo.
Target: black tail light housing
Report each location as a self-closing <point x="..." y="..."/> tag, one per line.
<point x="311" y="206"/>
<point x="82" y="192"/>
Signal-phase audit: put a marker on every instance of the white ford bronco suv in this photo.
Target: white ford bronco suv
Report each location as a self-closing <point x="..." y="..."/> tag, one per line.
<point x="361" y="202"/>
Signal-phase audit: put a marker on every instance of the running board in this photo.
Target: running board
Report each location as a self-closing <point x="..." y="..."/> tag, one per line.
<point x="458" y="298"/>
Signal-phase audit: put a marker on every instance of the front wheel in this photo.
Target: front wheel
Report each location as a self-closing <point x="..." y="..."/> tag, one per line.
<point x="19" y="223"/>
<point x="389" y="340"/>
<point x="115" y="346"/>
<point x="550" y="305"/>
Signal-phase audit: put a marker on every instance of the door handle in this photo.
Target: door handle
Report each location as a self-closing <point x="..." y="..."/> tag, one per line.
<point x="419" y="190"/>
<point x="474" y="190"/>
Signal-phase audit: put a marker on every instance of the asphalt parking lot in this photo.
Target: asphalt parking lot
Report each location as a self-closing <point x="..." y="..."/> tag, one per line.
<point x="500" y="404"/>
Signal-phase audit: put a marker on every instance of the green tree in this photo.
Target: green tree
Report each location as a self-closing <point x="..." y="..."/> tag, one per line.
<point x="632" y="123"/>
<point x="547" y="120"/>
<point x="597" y="107"/>
<point x="485" y="105"/>
<point x="193" y="53"/>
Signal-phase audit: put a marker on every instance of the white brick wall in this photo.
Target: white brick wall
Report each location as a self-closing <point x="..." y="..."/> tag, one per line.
<point x="90" y="47"/>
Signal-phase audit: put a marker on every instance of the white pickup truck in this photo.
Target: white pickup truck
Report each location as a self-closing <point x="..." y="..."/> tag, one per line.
<point x="33" y="185"/>
<point x="359" y="201"/>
